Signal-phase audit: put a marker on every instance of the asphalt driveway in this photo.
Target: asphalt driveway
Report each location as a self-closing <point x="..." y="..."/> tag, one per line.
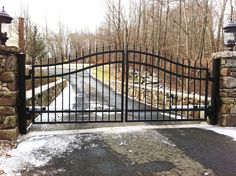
<point x="126" y="151"/>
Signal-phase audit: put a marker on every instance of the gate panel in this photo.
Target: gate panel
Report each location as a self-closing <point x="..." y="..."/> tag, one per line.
<point x="91" y="91"/>
<point x="161" y="89"/>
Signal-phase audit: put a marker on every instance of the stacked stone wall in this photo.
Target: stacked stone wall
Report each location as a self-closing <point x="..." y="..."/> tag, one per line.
<point x="227" y="99"/>
<point x="165" y="99"/>
<point x="8" y="93"/>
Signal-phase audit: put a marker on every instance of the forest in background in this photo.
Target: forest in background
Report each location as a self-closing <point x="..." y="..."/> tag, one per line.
<point x="186" y="29"/>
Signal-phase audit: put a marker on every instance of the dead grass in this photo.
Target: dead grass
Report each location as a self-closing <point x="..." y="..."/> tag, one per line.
<point x="103" y="73"/>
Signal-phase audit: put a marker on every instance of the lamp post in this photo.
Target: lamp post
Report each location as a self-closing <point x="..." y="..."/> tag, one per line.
<point x="230" y="35"/>
<point x="4" y="18"/>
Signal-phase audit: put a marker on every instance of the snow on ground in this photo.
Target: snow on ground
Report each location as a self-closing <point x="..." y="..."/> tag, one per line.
<point x="227" y="131"/>
<point x="37" y="151"/>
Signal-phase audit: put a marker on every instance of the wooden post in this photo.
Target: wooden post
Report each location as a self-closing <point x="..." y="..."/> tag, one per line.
<point x="21" y="34"/>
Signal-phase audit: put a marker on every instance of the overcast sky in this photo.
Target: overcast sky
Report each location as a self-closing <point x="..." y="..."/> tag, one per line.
<point x="76" y="14"/>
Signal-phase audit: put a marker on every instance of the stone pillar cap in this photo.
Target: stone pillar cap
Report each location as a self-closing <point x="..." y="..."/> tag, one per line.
<point x="223" y="54"/>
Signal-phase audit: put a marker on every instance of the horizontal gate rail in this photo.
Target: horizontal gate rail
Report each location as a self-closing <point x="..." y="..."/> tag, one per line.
<point x="81" y="58"/>
<point x="78" y="70"/>
<point x="175" y="74"/>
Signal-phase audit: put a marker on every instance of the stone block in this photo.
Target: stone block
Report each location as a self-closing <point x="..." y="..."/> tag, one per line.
<point x="3" y="62"/>
<point x="224" y="94"/>
<point x="227" y="100"/>
<point x="2" y="119"/>
<point x="7" y="110"/>
<point x="9" y="49"/>
<point x="230" y="62"/>
<point x="7" y="76"/>
<point x="10" y="122"/>
<point x="233" y="110"/>
<point x="11" y="63"/>
<point x="10" y="94"/>
<point x="230" y="121"/>
<point x="225" y="72"/>
<point x="224" y="54"/>
<point x="226" y="108"/>
<point x="233" y="74"/>
<point x="7" y="101"/>
<point x="228" y="82"/>
<point x="5" y="89"/>
<point x="9" y="134"/>
<point x="2" y="69"/>
<point x="12" y="86"/>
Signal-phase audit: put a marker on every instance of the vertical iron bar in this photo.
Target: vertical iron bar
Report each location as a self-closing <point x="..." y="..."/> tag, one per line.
<point x="62" y="71"/>
<point x="21" y="95"/>
<point x="194" y="88"/>
<point x="55" y="93"/>
<point x="89" y="101"/>
<point x="176" y="89"/>
<point x="170" y="84"/>
<point x="96" y="83"/>
<point x="48" y="81"/>
<point x="152" y="82"/>
<point x="133" y="82"/>
<point x="188" y="79"/>
<point x="182" y="89"/>
<point x="116" y="65"/>
<point x="215" y="91"/>
<point x="122" y="84"/>
<point x="69" y="88"/>
<point x="109" y="72"/>
<point x="158" y="85"/>
<point x="140" y="78"/>
<point x="164" y="91"/>
<point x="200" y="91"/>
<point x="41" y="90"/>
<point x="145" y="110"/>
<point x="206" y="93"/>
<point x="103" y="99"/>
<point x="126" y="52"/>
<point x="83" y="86"/>
<point x="76" y="87"/>
<point x="33" y="90"/>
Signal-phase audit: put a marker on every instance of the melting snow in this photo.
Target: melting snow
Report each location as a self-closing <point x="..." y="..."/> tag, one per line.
<point x="37" y="151"/>
<point x="228" y="131"/>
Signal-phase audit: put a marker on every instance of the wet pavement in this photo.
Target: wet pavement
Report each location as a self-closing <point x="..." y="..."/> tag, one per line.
<point x="128" y="151"/>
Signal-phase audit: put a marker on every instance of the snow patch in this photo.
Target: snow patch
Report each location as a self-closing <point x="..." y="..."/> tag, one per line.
<point x="228" y="131"/>
<point x="38" y="151"/>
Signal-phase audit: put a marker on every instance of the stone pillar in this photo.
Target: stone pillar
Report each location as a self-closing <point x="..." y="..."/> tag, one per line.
<point x="227" y="94"/>
<point x="8" y="93"/>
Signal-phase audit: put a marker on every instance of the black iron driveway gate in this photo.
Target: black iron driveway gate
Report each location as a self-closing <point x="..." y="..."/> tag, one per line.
<point x="116" y="85"/>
